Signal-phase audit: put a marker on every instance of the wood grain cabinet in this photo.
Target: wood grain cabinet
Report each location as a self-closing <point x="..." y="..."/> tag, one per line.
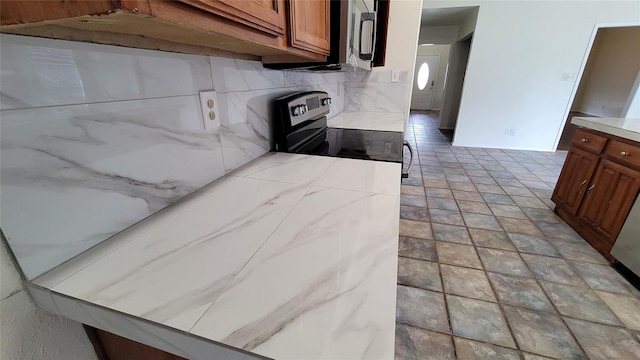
<point x="109" y="346"/>
<point x="574" y="179"/>
<point x="310" y="25"/>
<point x="608" y="200"/>
<point x="291" y="30"/>
<point x="598" y="185"/>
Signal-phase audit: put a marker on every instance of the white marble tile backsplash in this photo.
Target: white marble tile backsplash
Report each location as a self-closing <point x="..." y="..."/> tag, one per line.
<point x="243" y="75"/>
<point x="39" y="72"/>
<point x="95" y="138"/>
<point x="373" y="91"/>
<point x="74" y="175"/>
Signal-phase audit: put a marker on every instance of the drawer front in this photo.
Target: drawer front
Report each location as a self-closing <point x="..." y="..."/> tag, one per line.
<point x="624" y="153"/>
<point x="590" y="142"/>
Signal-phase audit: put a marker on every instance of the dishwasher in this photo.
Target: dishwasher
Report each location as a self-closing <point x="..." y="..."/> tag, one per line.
<point x="627" y="246"/>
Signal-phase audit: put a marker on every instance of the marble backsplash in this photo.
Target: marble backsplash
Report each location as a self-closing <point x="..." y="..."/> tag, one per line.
<point x="95" y="138"/>
<point x="373" y="91"/>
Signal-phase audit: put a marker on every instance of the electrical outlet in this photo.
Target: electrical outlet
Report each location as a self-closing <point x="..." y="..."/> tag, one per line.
<point x="395" y="75"/>
<point x="210" y="109"/>
<point x="568" y="77"/>
<point x="510" y="132"/>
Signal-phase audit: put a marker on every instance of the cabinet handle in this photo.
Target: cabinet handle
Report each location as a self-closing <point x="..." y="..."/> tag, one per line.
<point x="581" y="185"/>
<point x="624" y="153"/>
<point x="584" y="140"/>
<point x="590" y="188"/>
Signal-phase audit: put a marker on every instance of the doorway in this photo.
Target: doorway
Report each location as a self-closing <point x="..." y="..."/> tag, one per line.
<point x="453" y="88"/>
<point x="608" y="83"/>
<point x="424" y="82"/>
<point x="453" y="29"/>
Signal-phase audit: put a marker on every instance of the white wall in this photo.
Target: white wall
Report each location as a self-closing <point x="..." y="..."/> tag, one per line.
<point x="610" y="73"/>
<point x="453" y="89"/>
<point x="443" y="52"/>
<point x="632" y="107"/>
<point x="402" y="40"/>
<point x="468" y="25"/>
<point x="438" y="34"/>
<point x="519" y="52"/>
<point x="29" y="333"/>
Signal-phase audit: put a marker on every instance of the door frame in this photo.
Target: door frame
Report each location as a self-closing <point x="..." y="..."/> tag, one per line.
<point x="596" y="27"/>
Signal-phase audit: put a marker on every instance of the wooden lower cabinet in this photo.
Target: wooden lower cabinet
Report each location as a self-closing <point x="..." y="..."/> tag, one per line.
<point x="574" y="179"/>
<point x="109" y="346"/>
<point x="609" y="199"/>
<point x="598" y="186"/>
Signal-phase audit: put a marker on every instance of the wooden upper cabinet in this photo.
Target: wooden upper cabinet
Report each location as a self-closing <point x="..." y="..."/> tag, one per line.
<point x="263" y="15"/>
<point x="310" y="25"/>
<point x="251" y="29"/>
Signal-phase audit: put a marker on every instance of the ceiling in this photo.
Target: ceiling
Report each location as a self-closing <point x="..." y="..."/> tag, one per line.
<point x="446" y="16"/>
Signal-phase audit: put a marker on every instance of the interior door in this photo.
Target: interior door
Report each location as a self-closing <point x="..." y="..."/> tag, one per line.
<point x="424" y="82"/>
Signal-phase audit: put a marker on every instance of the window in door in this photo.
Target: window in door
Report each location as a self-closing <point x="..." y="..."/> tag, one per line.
<point x="423" y="76"/>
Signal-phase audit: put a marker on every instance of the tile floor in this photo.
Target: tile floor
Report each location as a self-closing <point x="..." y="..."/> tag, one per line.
<point x="488" y="271"/>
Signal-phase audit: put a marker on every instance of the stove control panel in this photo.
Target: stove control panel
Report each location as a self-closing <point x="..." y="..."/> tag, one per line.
<point x="306" y="106"/>
<point x="298" y="110"/>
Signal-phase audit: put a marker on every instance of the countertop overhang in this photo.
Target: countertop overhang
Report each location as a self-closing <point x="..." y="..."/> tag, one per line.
<point x="289" y="257"/>
<point x="624" y="128"/>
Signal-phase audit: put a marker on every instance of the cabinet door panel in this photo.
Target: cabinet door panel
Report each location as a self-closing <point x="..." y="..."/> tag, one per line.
<point x="574" y="179"/>
<point x="605" y="208"/>
<point x="264" y="15"/>
<point x="598" y="194"/>
<point x="309" y="21"/>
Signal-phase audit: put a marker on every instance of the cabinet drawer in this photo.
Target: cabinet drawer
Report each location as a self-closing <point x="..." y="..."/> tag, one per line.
<point x="590" y="142"/>
<point x="624" y="153"/>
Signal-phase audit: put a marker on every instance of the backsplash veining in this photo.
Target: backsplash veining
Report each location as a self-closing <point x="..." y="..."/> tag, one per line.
<point x="375" y="92"/>
<point x="95" y="138"/>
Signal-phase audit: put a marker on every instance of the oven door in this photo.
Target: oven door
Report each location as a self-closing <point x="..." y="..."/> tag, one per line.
<point x="314" y="145"/>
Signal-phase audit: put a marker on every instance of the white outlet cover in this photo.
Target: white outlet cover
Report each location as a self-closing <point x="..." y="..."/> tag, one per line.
<point x="205" y="96"/>
<point x="395" y="75"/>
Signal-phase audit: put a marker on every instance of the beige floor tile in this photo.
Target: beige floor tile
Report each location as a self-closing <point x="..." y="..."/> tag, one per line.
<point x="466" y="282"/>
<point x="457" y="254"/>
<point x="626" y="308"/>
<point x="416" y="229"/>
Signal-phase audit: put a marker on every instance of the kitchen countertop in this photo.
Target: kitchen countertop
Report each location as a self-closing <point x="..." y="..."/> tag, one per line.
<point x="289" y="257"/>
<point x="625" y="128"/>
<point x="366" y="120"/>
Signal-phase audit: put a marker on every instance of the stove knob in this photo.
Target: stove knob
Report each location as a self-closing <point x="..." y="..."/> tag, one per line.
<point x="325" y="101"/>
<point x="303" y="109"/>
<point x="296" y="110"/>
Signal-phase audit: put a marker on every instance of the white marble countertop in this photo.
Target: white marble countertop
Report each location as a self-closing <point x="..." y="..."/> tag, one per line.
<point x="289" y="257"/>
<point x="625" y="128"/>
<point x="364" y="120"/>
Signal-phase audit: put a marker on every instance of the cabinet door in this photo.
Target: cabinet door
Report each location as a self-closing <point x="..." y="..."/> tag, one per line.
<point x="264" y="15"/>
<point x="609" y="199"/>
<point x="309" y="22"/>
<point x="574" y="179"/>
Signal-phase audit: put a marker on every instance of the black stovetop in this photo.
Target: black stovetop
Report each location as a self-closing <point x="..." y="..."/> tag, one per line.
<point x="357" y="144"/>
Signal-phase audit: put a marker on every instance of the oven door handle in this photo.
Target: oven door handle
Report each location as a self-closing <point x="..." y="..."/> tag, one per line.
<point x="405" y="174"/>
